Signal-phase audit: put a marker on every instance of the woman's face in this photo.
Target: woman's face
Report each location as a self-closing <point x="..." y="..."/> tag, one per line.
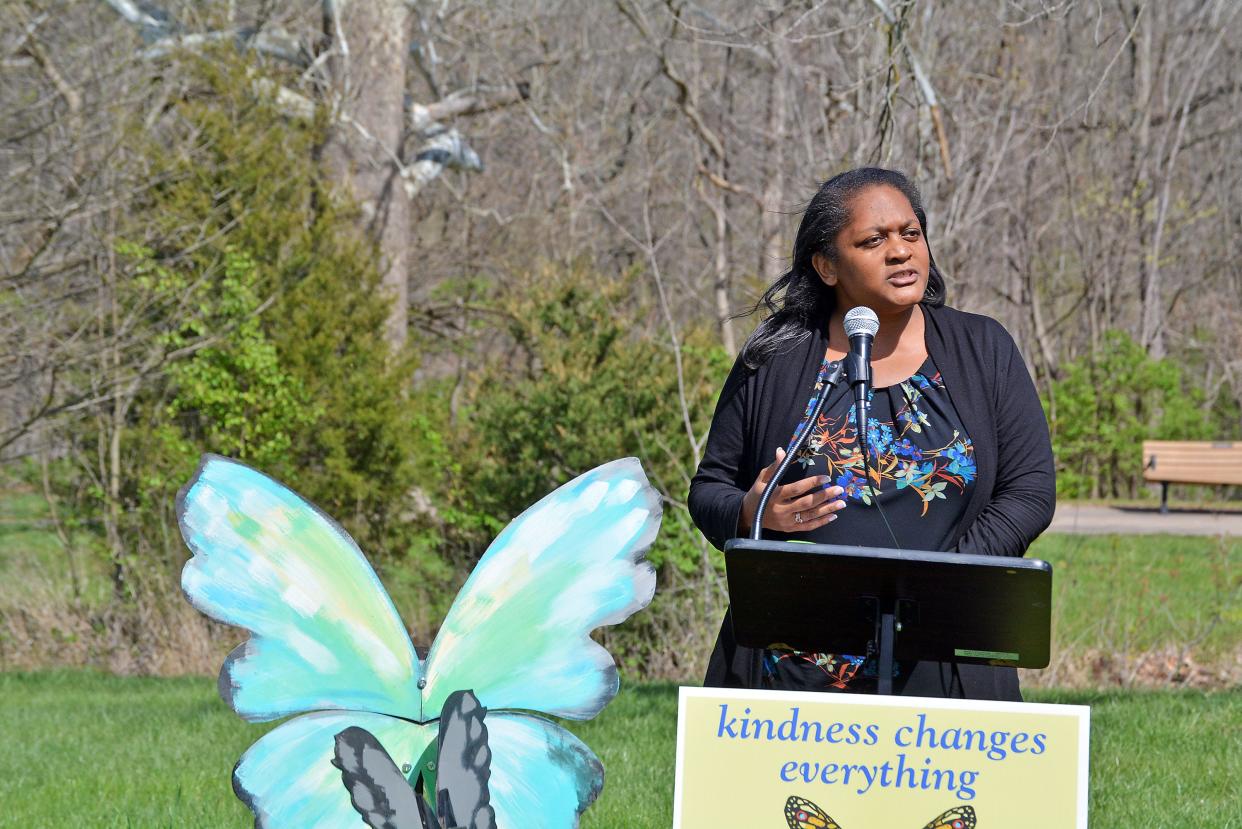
<point x="881" y="259"/>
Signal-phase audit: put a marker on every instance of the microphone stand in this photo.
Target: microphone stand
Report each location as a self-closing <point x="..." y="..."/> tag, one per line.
<point x="858" y="369"/>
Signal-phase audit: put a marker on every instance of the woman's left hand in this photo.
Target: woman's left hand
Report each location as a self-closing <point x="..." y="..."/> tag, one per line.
<point x="794" y="508"/>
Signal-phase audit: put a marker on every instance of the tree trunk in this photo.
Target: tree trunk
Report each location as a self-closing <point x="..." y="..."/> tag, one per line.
<point x="721" y="285"/>
<point x="369" y="41"/>
<point x="1149" y="289"/>
<point x="773" y="253"/>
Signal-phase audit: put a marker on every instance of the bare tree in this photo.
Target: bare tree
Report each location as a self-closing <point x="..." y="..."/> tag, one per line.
<point x="367" y="47"/>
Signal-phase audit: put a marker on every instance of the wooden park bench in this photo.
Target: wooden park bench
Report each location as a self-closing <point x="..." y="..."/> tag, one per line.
<point x="1191" y="462"/>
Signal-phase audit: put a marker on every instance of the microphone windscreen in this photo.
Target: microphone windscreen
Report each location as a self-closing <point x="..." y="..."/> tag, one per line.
<point x="861" y="320"/>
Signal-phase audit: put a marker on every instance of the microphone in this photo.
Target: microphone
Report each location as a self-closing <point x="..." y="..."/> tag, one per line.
<point x="861" y="325"/>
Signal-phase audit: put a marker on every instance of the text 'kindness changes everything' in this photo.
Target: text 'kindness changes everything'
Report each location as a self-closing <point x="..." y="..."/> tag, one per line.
<point x="926" y="758"/>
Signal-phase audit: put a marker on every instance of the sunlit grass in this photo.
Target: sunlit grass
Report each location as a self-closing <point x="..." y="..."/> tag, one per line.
<point x="1132" y="593"/>
<point x="90" y="750"/>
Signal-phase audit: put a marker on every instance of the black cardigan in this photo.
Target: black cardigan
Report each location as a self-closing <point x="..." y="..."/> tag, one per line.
<point x="986" y="378"/>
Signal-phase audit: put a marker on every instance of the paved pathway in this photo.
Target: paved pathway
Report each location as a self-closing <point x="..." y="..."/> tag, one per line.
<point x="1093" y="520"/>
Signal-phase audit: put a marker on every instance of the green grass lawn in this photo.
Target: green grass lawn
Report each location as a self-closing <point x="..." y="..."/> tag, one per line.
<point x="91" y="750"/>
<point x="1124" y="594"/>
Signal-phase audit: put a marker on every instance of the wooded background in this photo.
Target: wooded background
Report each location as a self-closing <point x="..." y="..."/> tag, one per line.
<point x="424" y="261"/>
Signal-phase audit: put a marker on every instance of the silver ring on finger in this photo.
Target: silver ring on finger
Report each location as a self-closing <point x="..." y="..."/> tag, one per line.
<point x="797" y="518"/>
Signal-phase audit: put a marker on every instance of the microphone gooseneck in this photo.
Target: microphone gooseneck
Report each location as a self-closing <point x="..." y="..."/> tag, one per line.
<point x="833" y="376"/>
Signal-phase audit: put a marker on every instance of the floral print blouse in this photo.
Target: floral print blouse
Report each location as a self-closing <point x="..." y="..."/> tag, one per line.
<point x="922" y="473"/>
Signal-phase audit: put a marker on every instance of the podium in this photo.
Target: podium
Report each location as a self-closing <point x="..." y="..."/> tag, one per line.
<point x="900" y="604"/>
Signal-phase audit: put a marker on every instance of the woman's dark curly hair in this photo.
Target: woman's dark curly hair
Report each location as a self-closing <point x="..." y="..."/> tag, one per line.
<point x="799" y="299"/>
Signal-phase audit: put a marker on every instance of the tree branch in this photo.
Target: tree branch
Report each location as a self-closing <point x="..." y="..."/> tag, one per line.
<point x="276" y="44"/>
<point x="423" y="117"/>
<point x="925" y="88"/>
<point x="160" y="21"/>
<point x="443" y="150"/>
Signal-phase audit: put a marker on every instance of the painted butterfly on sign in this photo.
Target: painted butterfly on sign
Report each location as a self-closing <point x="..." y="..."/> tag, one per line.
<point x="801" y="813"/>
<point x="327" y="644"/>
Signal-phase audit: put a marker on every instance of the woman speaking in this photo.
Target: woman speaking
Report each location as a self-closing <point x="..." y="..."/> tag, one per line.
<point x="959" y="453"/>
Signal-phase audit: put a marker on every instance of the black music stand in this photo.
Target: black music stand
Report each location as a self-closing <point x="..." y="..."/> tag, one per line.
<point x="908" y="604"/>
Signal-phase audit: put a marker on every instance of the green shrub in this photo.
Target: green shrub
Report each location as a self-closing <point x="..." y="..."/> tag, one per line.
<point x="585" y="382"/>
<point x="1102" y="408"/>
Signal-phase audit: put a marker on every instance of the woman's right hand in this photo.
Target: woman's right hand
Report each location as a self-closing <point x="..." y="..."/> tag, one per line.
<point x="793" y="508"/>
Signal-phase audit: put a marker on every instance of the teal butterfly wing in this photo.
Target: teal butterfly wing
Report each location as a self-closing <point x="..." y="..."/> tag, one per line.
<point x="542" y="777"/>
<point x="288" y="778"/>
<point x="518" y="631"/>
<point x="324" y="633"/>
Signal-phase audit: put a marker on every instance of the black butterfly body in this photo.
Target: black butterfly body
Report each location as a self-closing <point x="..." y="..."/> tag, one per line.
<point x="458" y="773"/>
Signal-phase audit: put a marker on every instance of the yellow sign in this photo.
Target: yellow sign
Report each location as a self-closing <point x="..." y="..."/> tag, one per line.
<point x="786" y="760"/>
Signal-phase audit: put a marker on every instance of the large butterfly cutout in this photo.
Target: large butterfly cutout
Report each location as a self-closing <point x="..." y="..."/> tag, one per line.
<point x="801" y="813"/>
<point x="326" y="641"/>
